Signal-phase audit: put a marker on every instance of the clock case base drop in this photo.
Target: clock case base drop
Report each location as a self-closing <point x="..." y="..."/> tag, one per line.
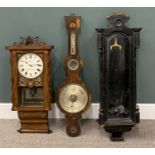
<point x="31" y="97"/>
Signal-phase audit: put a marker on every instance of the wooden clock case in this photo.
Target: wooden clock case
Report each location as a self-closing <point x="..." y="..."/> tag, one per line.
<point x="32" y="109"/>
<point x="117" y="60"/>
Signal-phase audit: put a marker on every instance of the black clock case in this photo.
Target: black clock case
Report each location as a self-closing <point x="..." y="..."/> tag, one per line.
<point x="117" y="60"/>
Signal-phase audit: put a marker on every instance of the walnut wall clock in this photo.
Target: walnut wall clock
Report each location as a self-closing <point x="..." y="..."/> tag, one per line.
<point x="117" y="58"/>
<point x="73" y="96"/>
<point x="31" y="87"/>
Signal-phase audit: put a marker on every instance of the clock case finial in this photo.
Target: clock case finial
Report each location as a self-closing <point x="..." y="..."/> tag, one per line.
<point x="30" y="40"/>
<point x="118" y="19"/>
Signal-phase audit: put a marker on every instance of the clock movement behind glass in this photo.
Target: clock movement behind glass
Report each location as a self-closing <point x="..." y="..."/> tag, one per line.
<point x="117" y="58"/>
<point x="31" y="87"/>
<point x="73" y="96"/>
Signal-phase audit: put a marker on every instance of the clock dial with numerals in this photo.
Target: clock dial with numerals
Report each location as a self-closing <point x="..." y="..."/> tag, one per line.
<point x="30" y="65"/>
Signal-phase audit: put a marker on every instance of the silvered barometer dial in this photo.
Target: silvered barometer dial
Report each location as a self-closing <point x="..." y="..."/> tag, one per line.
<point x="73" y="95"/>
<point x="73" y="98"/>
<point x="30" y="65"/>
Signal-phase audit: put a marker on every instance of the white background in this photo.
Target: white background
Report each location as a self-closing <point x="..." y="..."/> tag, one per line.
<point x="77" y="3"/>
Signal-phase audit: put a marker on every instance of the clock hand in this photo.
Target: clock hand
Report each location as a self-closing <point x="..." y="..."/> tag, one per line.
<point x="36" y="65"/>
<point x="31" y="65"/>
<point x="24" y="62"/>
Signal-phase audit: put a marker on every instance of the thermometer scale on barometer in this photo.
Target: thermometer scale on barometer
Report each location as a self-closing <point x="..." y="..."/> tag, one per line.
<point x="73" y="43"/>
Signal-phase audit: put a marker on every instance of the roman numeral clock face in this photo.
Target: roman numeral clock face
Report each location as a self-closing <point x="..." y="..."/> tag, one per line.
<point x="30" y="65"/>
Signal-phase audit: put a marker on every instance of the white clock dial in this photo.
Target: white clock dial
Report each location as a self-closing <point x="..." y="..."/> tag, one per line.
<point x="73" y="43"/>
<point x="30" y="65"/>
<point x="73" y="98"/>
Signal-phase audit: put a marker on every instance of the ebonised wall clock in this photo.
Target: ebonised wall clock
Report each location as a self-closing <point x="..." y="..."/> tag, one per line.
<point x="31" y="87"/>
<point x="73" y="96"/>
<point x="117" y="59"/>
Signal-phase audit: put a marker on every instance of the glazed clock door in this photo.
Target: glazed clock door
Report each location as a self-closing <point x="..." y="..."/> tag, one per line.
<point x="118" y="75"/>
<point x="117" y="59"/>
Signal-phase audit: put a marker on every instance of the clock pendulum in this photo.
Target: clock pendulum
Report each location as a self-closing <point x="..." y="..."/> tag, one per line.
<point x="73" y="96"/>
<point x="117" y="59"/>
<point x="31" y="91"/>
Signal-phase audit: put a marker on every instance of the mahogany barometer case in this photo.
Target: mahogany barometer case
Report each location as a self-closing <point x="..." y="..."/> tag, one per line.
<point x="31" y="87"/>
<point x="117" y="59"/>
<point x="73" y="96"/>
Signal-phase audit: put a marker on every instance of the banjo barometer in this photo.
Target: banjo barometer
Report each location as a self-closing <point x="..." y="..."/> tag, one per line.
<point x="73" y="96"/>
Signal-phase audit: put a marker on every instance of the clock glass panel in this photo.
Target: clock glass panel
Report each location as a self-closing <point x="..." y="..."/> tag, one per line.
<point x="31" y="96"/>
<point x="118" y="57"/>
<point x="30" y="65"/>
